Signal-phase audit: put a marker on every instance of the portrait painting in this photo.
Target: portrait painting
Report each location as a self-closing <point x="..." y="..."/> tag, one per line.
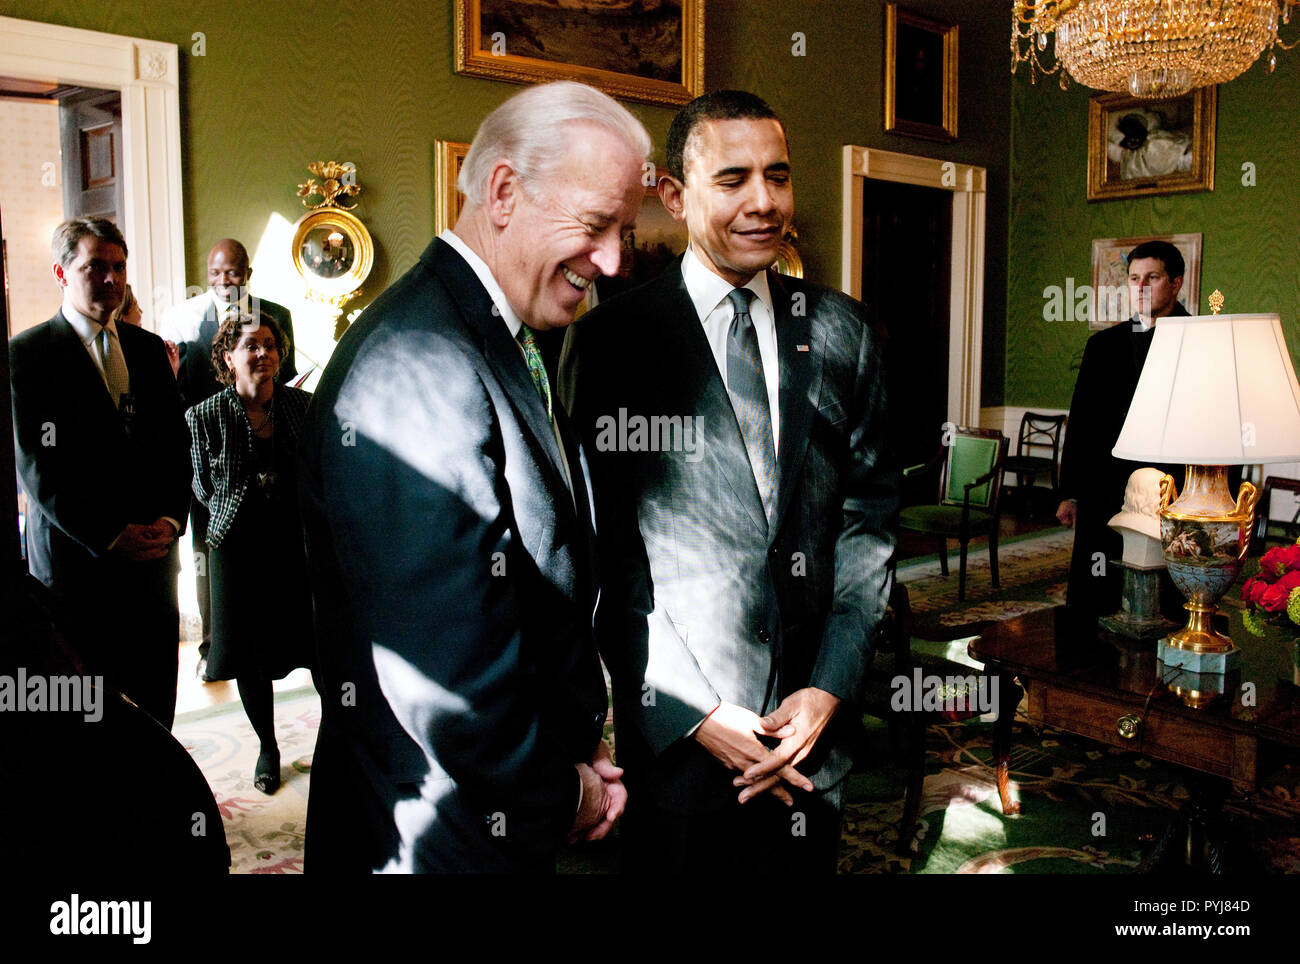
<point x="920" y="75"/>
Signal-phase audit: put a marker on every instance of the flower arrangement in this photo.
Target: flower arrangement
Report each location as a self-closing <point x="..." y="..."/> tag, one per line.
<point x="1274" y="591"/>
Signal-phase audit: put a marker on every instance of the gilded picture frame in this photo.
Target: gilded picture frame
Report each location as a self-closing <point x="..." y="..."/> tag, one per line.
<point x="1140" y="148"/>
<point x="528" y="43"/>
<point x="920" y="75"/>
<point x="1110" y="302"/>
<point x="448" y="157"/>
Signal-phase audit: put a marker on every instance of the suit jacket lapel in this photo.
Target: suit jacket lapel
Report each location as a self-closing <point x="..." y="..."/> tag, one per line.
<point x="691" y="369"/>
<point x="500" y="350"/>
<point x="801" y="370"/>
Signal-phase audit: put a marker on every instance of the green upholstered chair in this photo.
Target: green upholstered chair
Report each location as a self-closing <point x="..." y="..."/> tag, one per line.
<point x="970" y="479"/>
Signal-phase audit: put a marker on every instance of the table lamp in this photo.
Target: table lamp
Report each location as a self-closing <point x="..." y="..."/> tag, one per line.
<point x="1216" y="390"/>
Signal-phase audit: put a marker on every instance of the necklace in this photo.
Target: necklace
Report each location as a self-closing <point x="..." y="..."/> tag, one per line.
<point x="266" y="417"/>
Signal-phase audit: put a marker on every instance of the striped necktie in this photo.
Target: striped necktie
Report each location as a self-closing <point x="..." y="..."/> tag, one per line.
<point x="748" y="390"/>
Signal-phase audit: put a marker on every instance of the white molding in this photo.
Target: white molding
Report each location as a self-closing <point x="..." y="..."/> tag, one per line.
<point x="966" y="305"/>
<point x="147" y="74"/>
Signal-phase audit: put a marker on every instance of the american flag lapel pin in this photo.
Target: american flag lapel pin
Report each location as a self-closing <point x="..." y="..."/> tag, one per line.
<point x="800" y="347"/>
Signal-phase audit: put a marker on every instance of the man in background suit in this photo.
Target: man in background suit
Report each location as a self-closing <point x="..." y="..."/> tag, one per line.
<point x="449" y="522"/>
<point x="1093" y="480"/>
<point x="748" y="553"/>
<point x="190" y="327"/>
<point x="103" y="457"/>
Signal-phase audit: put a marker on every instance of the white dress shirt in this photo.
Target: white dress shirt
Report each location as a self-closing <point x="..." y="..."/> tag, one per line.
<point x="708" y="293"/>
<point x="180" y="323"/>
<point x="513" y="324"/>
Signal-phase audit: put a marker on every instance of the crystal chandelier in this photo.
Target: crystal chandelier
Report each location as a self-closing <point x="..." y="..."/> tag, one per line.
<point x="1149" y="48"/>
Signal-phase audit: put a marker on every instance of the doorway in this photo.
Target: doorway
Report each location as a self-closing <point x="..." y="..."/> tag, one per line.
<point x="906" y="253"/>
<point x="964" y="186"/>
<point x="145" y="75"/>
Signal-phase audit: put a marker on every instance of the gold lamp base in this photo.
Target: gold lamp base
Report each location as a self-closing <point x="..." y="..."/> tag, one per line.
<point x="1205" y="535"/>
<point x="1199" y="635"/>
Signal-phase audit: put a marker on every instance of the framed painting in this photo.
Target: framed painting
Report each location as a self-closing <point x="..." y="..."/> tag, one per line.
<point x="648" y="50"/>
<point x="448" y="156"/>
<point x="647" y="250"/>
<point x="920" y="75"/>
<point x="1139" y="148"/>
<point x="1110" y="298"/>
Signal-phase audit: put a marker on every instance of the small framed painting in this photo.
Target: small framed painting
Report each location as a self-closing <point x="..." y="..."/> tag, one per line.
<point x="920" y="75"/>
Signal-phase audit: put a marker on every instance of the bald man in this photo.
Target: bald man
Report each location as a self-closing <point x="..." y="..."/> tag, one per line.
<point x="191" y="326"/>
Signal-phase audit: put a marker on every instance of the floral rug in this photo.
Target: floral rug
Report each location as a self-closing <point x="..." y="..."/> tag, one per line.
<point x="1032" y="571"/>
<point x="264" y="833"/>
<point x="1085" y="809"/>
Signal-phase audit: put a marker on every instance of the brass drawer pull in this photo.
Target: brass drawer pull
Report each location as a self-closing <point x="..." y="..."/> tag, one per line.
<point x="1128" y="726"/>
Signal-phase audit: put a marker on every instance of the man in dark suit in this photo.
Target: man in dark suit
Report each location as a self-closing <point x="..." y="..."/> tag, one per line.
<point x="190" y="327"/>
<point x="103" y="457"/>
<point x="1093" y="480"/>
<point x="736" y="420"/>
<point x="449" y="522"/>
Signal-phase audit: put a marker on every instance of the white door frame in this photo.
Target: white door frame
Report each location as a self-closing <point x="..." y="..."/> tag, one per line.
<point x="966" y="299"/>
<point x="145" y="71"/>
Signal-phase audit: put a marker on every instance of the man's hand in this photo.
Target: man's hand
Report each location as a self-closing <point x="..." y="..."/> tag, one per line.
<point x="799" y="721"/>
<point x="141" y="543"/>
<point x="728" y="733"/>
<point x="595" y="801"/>
<point x="173" y="356"/>
<point x="1066" y="512"/>
<point x="602" y="763"/>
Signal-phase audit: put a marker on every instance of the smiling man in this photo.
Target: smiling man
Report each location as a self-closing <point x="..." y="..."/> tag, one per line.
<point x="449" y="522"/>
<point x="747" y="575"/>
<point x="1093" y="480"/>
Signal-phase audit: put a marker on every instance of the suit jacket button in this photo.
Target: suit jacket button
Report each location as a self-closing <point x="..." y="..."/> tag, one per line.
<point x="764" y="636"/>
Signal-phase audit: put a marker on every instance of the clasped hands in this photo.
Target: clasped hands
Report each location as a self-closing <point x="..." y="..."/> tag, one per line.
<point x="603" y="796"/>
<point x="144" y="542"/>
<point x="730" y="733"/>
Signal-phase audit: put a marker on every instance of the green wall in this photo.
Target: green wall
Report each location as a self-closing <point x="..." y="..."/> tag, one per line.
<point x="286" y="82"/>
<point x="1251" y="234"/>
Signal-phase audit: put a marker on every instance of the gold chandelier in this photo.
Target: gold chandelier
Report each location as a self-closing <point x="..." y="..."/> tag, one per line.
<point x="1149" y="48"/>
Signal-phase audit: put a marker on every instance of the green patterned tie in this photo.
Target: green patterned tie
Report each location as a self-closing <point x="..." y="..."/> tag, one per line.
<point x="533" y="356"/>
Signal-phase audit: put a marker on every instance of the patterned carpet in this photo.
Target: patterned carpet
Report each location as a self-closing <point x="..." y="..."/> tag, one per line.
<point x="1086" y="809"/>
<point x="265" y="834"/>
<point x="1031" y="569"/>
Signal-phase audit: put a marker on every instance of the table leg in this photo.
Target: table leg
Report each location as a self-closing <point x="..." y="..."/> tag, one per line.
<point x="1009" y="694"/>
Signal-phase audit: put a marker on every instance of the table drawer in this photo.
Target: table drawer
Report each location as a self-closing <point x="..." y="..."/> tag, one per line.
<point x="1217" y="750"/>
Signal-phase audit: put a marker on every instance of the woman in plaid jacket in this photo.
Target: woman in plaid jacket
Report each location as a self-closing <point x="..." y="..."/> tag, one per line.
<point x="244" y="444"/>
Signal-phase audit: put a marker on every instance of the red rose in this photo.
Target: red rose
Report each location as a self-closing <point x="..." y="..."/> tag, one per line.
<point x="1279" y="560"/>
<point x="1275" y="598"/>
<point x="1253" y="590"/>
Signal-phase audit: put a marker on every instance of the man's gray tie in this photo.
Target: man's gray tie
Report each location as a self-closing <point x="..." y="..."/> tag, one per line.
<point x="114" y="362"/>
<point x="748" y="390"/>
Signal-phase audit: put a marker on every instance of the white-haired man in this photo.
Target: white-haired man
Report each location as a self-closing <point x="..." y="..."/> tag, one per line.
<point x="449" y="522"/>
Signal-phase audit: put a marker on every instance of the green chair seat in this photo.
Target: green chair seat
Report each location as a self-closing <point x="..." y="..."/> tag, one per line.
<point x="943" y="520"/>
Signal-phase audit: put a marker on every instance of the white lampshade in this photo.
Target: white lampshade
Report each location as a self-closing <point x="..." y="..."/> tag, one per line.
<point x="1215" y="390"/>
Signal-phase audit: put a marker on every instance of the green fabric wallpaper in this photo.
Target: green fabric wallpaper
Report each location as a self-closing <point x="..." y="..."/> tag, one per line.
<point x="281" y="84"/>
<point x="1251" y="234"/>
